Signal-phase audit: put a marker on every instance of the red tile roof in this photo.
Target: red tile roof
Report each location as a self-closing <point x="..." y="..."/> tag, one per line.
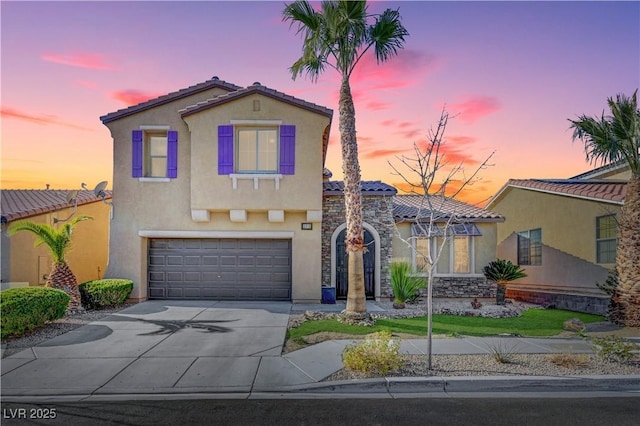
<point x="255" y="88"/>
<point x="18" y="204"/>
<point x="373" y="187"/>
<point x="412" y="207"/>
<point x="609" y="190"/>
<point x="170" y="97"/>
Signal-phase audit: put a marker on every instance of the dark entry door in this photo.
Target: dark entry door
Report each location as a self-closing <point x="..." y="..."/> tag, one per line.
<point x="342" y="264"/>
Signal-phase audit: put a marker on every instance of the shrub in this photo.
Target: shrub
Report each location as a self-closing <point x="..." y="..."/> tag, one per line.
<point x="502" y="272"/>
<point x="569" y="360"/>
<point x="104" y="293"/>
<point x="25" y="308"/>
<point x="502" y="352"/>
<point x="405" y="285"/>
<point x="614" y="348"/>
<point x="377" y="354"/>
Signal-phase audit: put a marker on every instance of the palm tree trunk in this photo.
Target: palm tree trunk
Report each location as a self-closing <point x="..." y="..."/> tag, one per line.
<point x="62" y="278"/>
<point x="356" y="302"/>
<point x="626" y="299"/>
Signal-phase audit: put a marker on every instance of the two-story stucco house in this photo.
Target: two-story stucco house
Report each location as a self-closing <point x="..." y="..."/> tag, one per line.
<point x="220" y="192"/>
<point x="563" y="232"/>
<point x="217" y="194"/>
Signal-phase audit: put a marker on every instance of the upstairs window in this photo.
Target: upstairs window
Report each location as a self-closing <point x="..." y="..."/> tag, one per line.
<point x="244" y="149"/>
<point x="530" y="247"/>
<point x="606" y="239"/>
<point x="257" y="151"/>
<point x="154" y="153"/>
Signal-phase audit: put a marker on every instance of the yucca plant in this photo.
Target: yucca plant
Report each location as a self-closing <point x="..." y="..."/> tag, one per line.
<point x="404" y="283"/>
<point x="502" y="272"/>
<point x="58" y="241"/>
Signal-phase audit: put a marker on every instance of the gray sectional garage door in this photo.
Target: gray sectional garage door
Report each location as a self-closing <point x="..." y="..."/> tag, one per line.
<point x="222" y="269"/>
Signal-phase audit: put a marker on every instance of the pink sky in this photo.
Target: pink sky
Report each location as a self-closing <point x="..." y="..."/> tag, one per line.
<point x="513" y="72"/>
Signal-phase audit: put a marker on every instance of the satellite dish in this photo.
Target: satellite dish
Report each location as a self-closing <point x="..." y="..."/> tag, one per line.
<point x="72" y="196"/>
<point x="99" y="189"/>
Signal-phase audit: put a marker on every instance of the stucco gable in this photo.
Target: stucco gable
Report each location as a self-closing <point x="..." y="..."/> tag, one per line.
<point x="256" y="88"/>
<point x="213" y="83"/>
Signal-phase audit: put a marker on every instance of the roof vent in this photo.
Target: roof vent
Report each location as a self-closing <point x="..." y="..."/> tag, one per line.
<point x="215" y="77"/>
<point x="257" y="83"/>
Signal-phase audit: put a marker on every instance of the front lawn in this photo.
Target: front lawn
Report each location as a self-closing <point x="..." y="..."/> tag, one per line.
<point x="532" y="323"/>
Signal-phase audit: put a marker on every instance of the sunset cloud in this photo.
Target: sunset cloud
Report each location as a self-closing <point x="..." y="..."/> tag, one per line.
<point x="473" y="108"/>
<point x="383" y="153"/>
<point x="132" y="96"/>
<point x="42" y="120"/>
<point x="80" y="60"/>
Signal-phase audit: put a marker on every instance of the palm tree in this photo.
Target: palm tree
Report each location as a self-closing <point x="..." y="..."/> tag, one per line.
<point x="58" y="241"/>
<point x="502" y="272"/>
<point x="610" y="139"/>
<point x="338" y="36"/>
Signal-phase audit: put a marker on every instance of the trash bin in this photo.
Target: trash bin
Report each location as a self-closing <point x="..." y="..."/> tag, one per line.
<point x="329" y="295"/>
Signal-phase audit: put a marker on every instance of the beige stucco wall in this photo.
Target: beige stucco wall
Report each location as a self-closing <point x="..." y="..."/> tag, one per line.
<point x="155" y="206"/>
<point x="484" y="246"/>
<point x="88" y="254"/>
<point x="568" y="223"/>
<point x="568" y="238"/>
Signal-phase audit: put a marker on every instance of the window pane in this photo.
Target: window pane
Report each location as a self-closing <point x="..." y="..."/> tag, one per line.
<point x="461" y="257"/>
<point x="422" y="249"/>
<point x="535" y="235"/>
<point x="158" y="167"/>
<point x="268" y="150"/>
<point x="246" y="150"/>
<point x="443" y="266"/>
<point x="606" y="251"/>
<point x="158" y="146"/>
<point x="606" y="227"/>
<point x="523" y="248"/>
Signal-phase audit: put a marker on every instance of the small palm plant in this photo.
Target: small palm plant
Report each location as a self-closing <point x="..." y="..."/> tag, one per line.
<point x="404" y="283"/>
<point x="58" y="241"/>
<point x="502" y="272"/>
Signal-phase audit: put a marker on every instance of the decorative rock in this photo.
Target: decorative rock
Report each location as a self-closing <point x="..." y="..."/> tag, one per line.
<point x="573" y="324"/>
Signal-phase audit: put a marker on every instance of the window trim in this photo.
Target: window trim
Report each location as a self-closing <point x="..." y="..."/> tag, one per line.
<point x="527" y="235"/>
<point x="599" y="239"/>
<point x="451" y="264"/>
<point x="236" y="150"/>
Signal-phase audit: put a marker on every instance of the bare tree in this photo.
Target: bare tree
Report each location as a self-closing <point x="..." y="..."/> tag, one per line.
<point x="438" y="216"/>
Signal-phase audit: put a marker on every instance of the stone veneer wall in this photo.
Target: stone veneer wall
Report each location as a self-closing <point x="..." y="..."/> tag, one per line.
<point x="377" y="212"/>
<point x="573" y="302"/>
<point x="463" y="287"/>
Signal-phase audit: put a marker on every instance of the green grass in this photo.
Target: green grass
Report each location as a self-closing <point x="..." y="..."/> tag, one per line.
<point x="532" y="323"/>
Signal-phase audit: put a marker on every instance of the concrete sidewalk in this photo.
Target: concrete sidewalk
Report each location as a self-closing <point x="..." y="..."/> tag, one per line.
<point x="156" y="349"/>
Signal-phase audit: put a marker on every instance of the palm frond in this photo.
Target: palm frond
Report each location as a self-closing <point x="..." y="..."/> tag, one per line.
<point x="387" y="35"/>
<point x="612" y="138"/>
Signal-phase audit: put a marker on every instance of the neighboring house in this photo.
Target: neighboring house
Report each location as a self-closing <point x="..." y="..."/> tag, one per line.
<point x="563" y="233"/>
<point x="26" y="265"/>
<point x="220" y="193"/>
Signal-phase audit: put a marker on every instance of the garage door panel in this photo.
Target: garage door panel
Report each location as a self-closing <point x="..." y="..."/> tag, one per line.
<point x="240" y="269"/>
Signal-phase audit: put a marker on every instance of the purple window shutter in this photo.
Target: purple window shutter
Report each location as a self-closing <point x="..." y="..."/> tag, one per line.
<point x="225" y="149"/>
<point x="136" y="163"/>
<point x="172" y="154"/>
<point x="287" y="149"/>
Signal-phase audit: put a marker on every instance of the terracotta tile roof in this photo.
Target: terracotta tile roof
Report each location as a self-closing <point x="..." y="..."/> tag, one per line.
<point x="170" y="97"/>
<point x="18" y="204"/>
<point x="374" y="187"/>
<point x="605" y="190"/>
<point x="598" y="172"/>
<point x="255" y="88"/>
<point x="412" y="207"/>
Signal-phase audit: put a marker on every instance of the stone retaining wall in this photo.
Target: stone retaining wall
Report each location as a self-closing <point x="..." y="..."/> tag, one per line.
<point x="573" y="302"/>
<point x="463" y="287"/>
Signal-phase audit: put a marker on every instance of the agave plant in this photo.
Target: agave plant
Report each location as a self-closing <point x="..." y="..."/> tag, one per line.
<point x="404" y="283"/>
<point x="502" y="272"/>
<point x="58" y="241"/>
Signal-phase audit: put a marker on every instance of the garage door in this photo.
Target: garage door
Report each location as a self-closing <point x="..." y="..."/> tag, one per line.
<point x="221" y="269"/>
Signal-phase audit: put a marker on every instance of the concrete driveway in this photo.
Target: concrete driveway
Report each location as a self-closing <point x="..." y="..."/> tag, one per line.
<point x="160" y="346"/>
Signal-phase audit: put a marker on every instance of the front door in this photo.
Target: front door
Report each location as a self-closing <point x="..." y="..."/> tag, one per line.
<point x="342" y="264"/>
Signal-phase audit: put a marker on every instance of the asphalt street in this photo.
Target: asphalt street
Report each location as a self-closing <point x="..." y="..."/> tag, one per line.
<point x="511" y="410"/>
